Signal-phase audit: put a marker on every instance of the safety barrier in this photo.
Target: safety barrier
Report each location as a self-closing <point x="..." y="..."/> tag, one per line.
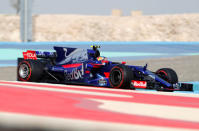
<point x="100" y="43"/>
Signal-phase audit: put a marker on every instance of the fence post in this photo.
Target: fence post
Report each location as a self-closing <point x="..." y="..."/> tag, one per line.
<point x="26" y="20"/>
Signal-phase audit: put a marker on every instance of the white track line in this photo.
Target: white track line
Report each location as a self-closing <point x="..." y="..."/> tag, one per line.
<point x="67" y="91"/>
<point x="25" y="122"/>
<point x="111" y="89"/>
<point x="160" y="111"/>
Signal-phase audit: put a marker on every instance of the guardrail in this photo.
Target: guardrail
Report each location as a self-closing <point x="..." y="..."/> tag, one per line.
<point x="114" y="50"/>
<point x="101" y="43"/>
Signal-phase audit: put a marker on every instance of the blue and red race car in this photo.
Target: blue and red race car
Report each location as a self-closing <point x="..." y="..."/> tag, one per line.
<point x="87" y="67"/>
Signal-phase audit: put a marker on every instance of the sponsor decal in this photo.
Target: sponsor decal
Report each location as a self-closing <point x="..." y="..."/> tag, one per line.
<point x="75" y="74"/>
<point x="139" y="84"/>
<point x="102" y="82"/>
<point x="30" y="55"/>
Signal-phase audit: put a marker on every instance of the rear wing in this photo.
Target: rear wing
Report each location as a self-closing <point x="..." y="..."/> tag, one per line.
<point x="64" y="55"/>
<point x="34" y="55"/>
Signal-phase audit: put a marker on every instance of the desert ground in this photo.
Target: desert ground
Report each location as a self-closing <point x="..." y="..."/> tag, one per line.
<point x="179" y="27"/>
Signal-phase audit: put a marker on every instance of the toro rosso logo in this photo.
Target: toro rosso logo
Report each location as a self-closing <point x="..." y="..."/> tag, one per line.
<point x="139" y="84"/>
<point x="30" y="55"/>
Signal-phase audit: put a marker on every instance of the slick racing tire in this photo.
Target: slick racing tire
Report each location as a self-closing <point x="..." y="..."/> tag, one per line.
<point x="168" y="75"/>
<point x="30" y="70"/>
<point x="120" y="77"/>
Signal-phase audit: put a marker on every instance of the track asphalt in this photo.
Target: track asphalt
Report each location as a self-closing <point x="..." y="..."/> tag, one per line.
<point x="132" y="110"/>
<point x="67" y="107"/>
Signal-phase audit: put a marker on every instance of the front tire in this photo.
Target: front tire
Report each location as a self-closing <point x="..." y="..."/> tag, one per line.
<point x="168" y="75"/>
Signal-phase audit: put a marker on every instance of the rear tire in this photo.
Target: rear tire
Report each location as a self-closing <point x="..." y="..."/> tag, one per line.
<point x="120" y="77"/>
<point x="30" y="70"/>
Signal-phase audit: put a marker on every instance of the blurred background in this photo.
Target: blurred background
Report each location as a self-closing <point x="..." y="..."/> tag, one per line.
<point x="102" y="7"/>
<point x="162" y="33"/>
<point x="99" y="20"/>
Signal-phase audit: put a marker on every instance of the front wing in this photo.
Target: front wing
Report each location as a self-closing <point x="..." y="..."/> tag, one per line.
<point x="175" y="87"/>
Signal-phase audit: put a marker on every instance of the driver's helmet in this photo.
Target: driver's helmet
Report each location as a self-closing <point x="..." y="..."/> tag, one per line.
<point x="101" y="58"/>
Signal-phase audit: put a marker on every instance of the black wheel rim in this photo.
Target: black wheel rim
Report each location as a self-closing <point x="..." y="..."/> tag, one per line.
<point x="116" y="77"/>
<point x="163" y="76"/>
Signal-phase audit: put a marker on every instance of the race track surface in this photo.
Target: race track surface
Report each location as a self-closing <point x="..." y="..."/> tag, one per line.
<point x="69" y="107"/>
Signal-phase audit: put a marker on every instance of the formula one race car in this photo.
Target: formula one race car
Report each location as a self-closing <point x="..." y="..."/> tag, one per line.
<point x="87" y="67"/>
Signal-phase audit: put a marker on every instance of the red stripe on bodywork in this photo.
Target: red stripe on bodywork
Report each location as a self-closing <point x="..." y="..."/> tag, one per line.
<point x="72" y="65"/>
<point x="87" y="72"/>
<point x="97" y="65"/>
<point x="107" y="74"/>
